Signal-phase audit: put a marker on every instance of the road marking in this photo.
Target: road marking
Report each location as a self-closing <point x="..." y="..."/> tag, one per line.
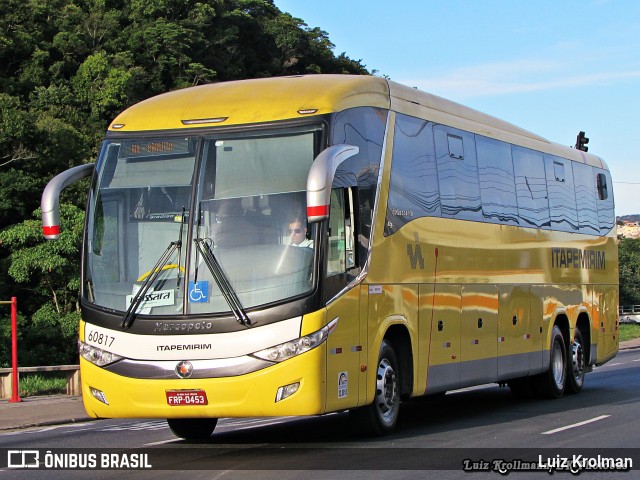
<point x="601" y="417"/>
<point x="228" y="424"/>
<point x="162" y="442"/>
<point x="85" y="425"/>
<point x="256" y="420"/>
<point x="151" y="425"/>
<point x="638" y="360"/>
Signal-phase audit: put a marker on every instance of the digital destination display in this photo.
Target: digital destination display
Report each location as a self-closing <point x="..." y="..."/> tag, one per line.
<point x="155" y="147"/>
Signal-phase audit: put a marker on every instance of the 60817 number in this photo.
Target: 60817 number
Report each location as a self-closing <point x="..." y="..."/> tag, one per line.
<point x="100" y="338"/>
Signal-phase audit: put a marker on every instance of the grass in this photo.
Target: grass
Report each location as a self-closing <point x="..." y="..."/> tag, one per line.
<point x="629" y="331"/>
<point x="39" y="384"/>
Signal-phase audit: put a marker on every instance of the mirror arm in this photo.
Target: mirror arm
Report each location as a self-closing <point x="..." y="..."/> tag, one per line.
<point x="49" y="204"/>
<point x="320" y="179"/>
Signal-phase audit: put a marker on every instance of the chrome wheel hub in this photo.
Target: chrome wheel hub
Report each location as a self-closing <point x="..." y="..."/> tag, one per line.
<point x="578" y="361"/>
<point x="386" y="390"/>
<point x="558" y="365"/>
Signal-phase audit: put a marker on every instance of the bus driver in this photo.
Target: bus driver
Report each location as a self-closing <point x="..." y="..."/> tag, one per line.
<point x="298" y="234"/>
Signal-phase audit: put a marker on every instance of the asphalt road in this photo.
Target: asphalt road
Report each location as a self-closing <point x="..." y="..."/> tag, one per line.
<point x="434" y="438"/>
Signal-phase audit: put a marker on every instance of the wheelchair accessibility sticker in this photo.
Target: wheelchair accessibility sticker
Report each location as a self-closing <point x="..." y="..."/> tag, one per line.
<point x="199" y="291"/>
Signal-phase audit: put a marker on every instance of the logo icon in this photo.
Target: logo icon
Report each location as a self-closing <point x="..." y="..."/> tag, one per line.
<point x="23" y="459"/>
<point x="199" y="291"/>
<point x="184" y="369"/>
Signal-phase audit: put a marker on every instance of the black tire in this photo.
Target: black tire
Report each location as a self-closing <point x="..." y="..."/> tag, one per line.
<point x="551" y="384"/>
<point x="576" y="367"/>
<point x="381" y="417"/>
<point x="192" y="428"/>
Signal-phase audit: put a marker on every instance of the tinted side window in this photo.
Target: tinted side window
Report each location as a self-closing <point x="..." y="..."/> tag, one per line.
<point x="531" y="187"/>
<point x="586" y="197"/>
<point x="363" y="127"/>
<point x="413" y="187"/>
<point x="605" y="204"/>
<point x="457" y="173"/>
<point x="497" y="184"/>
<point x="562" y="198"/>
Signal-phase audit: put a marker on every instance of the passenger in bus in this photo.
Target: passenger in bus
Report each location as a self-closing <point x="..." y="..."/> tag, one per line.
<point x="153" y="200"/>
<point x="298" y="233"/>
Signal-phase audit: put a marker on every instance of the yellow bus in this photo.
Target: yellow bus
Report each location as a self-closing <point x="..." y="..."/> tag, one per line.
<point x="313" y="244"/>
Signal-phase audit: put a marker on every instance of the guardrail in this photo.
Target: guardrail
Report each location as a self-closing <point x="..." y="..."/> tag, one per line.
<point x="630" y="310"/>
<point x="629" y="314"/>
<point x="73" y="378"/>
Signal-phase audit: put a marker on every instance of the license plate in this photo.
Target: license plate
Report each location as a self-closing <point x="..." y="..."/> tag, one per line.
<point x="186" y="397"/>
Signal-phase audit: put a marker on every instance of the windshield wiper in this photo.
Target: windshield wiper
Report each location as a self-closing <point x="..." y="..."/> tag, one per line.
<point x="139" y="296"/>
<point x="222" y="281"/>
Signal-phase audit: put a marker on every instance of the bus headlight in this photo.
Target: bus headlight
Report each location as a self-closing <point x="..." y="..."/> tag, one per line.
<point x="96" y="355"/>
<point x="290" y="349"/>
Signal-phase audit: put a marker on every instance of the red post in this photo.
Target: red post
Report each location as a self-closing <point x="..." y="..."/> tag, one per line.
<point x="15" y="389"/>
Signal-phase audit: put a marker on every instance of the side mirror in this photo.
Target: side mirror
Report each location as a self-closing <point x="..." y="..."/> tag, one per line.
<point x="320" y="179"/>
<point x="49" y="203"/>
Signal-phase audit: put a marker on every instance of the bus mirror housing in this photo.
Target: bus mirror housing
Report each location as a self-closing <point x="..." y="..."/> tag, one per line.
<point x="49" y="204"/>
<point x="320" y="179"/>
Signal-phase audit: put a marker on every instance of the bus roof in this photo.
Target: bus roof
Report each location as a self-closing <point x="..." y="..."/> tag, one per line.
<point x="420" y="104"/>
<point x="281" y="98"/>
<point x="255" y="101"/>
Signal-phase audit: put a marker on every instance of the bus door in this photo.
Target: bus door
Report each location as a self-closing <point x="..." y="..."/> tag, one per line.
<point x="479" y="327"/>
<point x="345" y="345"/>
<point x="515" y="341"/>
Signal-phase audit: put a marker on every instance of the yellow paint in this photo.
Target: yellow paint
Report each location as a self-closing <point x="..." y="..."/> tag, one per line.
<point x="242" y="396"/>
<point x="343" y="356"/>
<point x="254" y="101"/>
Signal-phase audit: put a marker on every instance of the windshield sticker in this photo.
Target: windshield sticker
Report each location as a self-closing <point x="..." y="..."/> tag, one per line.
<point x="199" y="291"/>
<point x="160" y="298"/>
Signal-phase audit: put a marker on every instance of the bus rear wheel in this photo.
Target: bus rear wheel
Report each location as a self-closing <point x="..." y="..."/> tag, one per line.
<point x="192" y="428"/>
<point x="576" y="368"/>
<point x="381" y="417"/>
<point x="551" y="384"/>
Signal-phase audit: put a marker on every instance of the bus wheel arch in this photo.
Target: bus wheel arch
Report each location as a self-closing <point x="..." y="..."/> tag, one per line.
<point x="398" y="336"/>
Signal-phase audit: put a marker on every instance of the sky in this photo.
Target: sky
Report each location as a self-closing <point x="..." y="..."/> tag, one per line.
<point x="551" y="67"/>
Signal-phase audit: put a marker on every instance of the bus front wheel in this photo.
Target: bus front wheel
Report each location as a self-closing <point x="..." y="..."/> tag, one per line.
<point x="192" y="428"/>
<point x="381" y="416"/>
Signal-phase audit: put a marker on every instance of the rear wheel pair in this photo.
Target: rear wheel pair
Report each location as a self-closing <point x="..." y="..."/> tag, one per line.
<point x="564" y="374"/>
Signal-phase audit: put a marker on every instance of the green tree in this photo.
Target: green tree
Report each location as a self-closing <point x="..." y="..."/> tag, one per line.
<point x="47" y="273"/>
<point x="629" y="257"/>
<point x="102" y="84"/>
<point x="17" y="140"/>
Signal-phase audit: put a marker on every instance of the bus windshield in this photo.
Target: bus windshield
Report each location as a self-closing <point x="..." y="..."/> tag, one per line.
<point x="239" y="200"/>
